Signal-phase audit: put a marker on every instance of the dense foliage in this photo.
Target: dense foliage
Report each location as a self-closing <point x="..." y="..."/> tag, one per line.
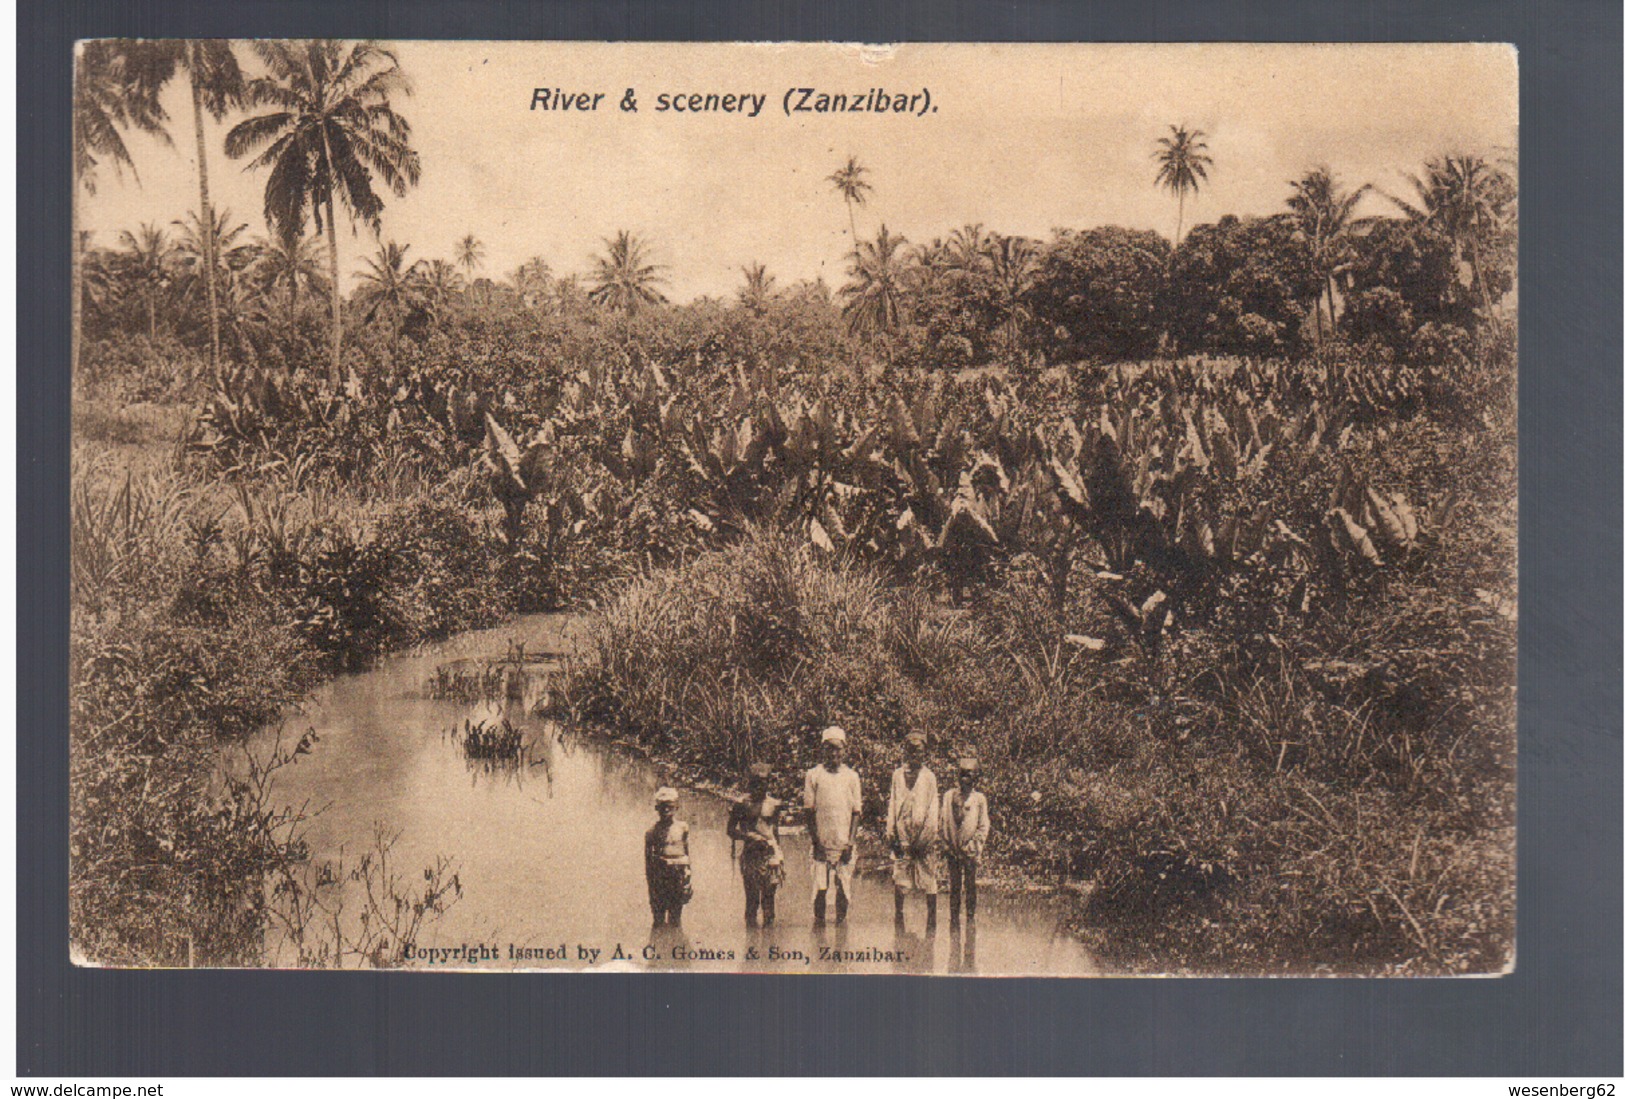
<point x="1204" y="538"/>
<point x="1242" y="286"/>
<point x="1208" y="549"/>
<point x="1272" y="593"/>
<point x="199" y="617"/>
<point x="1095" y="293"/>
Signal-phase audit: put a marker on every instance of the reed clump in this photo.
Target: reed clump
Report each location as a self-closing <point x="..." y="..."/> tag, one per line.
<point x="495" y="741"/>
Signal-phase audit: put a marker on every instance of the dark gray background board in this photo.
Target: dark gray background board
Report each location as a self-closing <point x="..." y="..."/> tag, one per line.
<point x="1558" y="1014"/>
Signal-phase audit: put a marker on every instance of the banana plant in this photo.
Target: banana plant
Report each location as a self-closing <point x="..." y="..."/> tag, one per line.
<point x="1364" y="523"/>
<point x="517" y="476"/>
<point x="1046" y="525"/>
<point x="729" y="460"/>
<point x="634" y="460"/>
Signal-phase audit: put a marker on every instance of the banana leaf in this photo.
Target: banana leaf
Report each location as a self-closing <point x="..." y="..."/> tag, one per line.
<point x="820" y="537"/>
<point x="1068" y="488"/>
<point x="905" y="435"/>
<point x="1377" y="513"/>
<point x="503" y="458"/>
<point x="1224" y="453"/>
<point x="1350" y="537"/>
<point x="967" y="526"/>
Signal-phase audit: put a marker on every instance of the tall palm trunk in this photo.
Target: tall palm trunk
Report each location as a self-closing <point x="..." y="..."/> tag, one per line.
<point x="1483" y="289"/>
<point x="332" y="261"/>
<point x="208" y="223"/>
<point x="333" y="274"/>
<point x="1320" y="326"/>
<point x="852" y="220"/>
<point x="1179" y="224"/>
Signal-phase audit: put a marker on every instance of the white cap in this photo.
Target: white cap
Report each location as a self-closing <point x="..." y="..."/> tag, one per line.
<point x="834" y="735"/>
<point x="665" y="793"/>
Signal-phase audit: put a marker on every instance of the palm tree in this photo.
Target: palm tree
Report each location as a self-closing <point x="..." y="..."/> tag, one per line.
<point x="223" y="241"/>
<point x="98" y="277"/>
<point x="470" y="257"/>
<point x="147" y="259"/>
<point x="389" y="285"/>
<point x="439" y="283"/>
<point x="231" y="250"/>
<point x="532" y="280"/>
<point x="288" y="260"/>
<point x="624" y="279"/>
<point x="931" y="264"/>
<point x="330" y="128"/>
<point x="1473" y="204"/>
<point x="115" y="88"/>
<point x="1011" y="263"/>
<point x="853" y="189"/>
<point x="568" y="296"/>
<point x="217" y="86"/>
<point x="1182" y="167"/>
<point x="470" y="254"/>
<point x="967" y="248"/>
<point x="874" y="296"/>
<point x="758" y="288"/>
<point x="216" y="83"/>
<point x="1322" y="214"/>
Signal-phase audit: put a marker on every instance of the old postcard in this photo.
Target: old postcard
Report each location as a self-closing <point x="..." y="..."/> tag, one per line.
<point x="959" y="509"/>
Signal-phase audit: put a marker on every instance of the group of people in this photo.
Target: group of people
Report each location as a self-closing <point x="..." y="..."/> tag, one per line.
<point x="924" y="831"/>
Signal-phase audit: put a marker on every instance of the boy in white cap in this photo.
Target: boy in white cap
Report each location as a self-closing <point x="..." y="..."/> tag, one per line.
<point x="912" y="831"/>
<point x="833" y="796"/>
<point x="665" y="861"/>
<point x="965" y="828"/>
<point x="754" y="822"/>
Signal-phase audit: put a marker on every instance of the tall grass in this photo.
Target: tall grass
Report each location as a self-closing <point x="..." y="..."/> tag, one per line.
<point x="1301" y="814"/>
<point x="201" y="612"/>
<point x="124" y="526"/>
<point x="737" y="656"/>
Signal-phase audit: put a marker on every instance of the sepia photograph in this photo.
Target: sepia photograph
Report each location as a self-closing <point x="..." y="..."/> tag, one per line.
<point x="956" y="509"/>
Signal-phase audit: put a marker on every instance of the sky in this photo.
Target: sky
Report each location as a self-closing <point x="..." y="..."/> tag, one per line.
<point x="1020" y="138"/>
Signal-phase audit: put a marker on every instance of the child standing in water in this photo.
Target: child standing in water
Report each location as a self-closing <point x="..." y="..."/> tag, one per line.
<point x="754" y="822"/>
<point x="965" y="828"/>
<point x="665" y="861"/>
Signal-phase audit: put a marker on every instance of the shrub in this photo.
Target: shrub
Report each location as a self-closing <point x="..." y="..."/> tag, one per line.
<point x="193" y="628"/>
<point x="132" y="368"/>
<point x="169" y="858"/>
<point x="447" y="552"/>
<point x="1381" y="316"/>
<point x="1241" y="286"/>
<point x="1435" y="344"/>
<point x="1095" y="292"/>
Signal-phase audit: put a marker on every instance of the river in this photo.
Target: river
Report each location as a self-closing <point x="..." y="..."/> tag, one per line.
<point x="548" y="851"/>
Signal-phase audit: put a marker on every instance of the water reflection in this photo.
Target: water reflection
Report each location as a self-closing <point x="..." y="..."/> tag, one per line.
<point x="668" y="945"/>
<point x="915" y="953"/>
<point x="962" y="949"/>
